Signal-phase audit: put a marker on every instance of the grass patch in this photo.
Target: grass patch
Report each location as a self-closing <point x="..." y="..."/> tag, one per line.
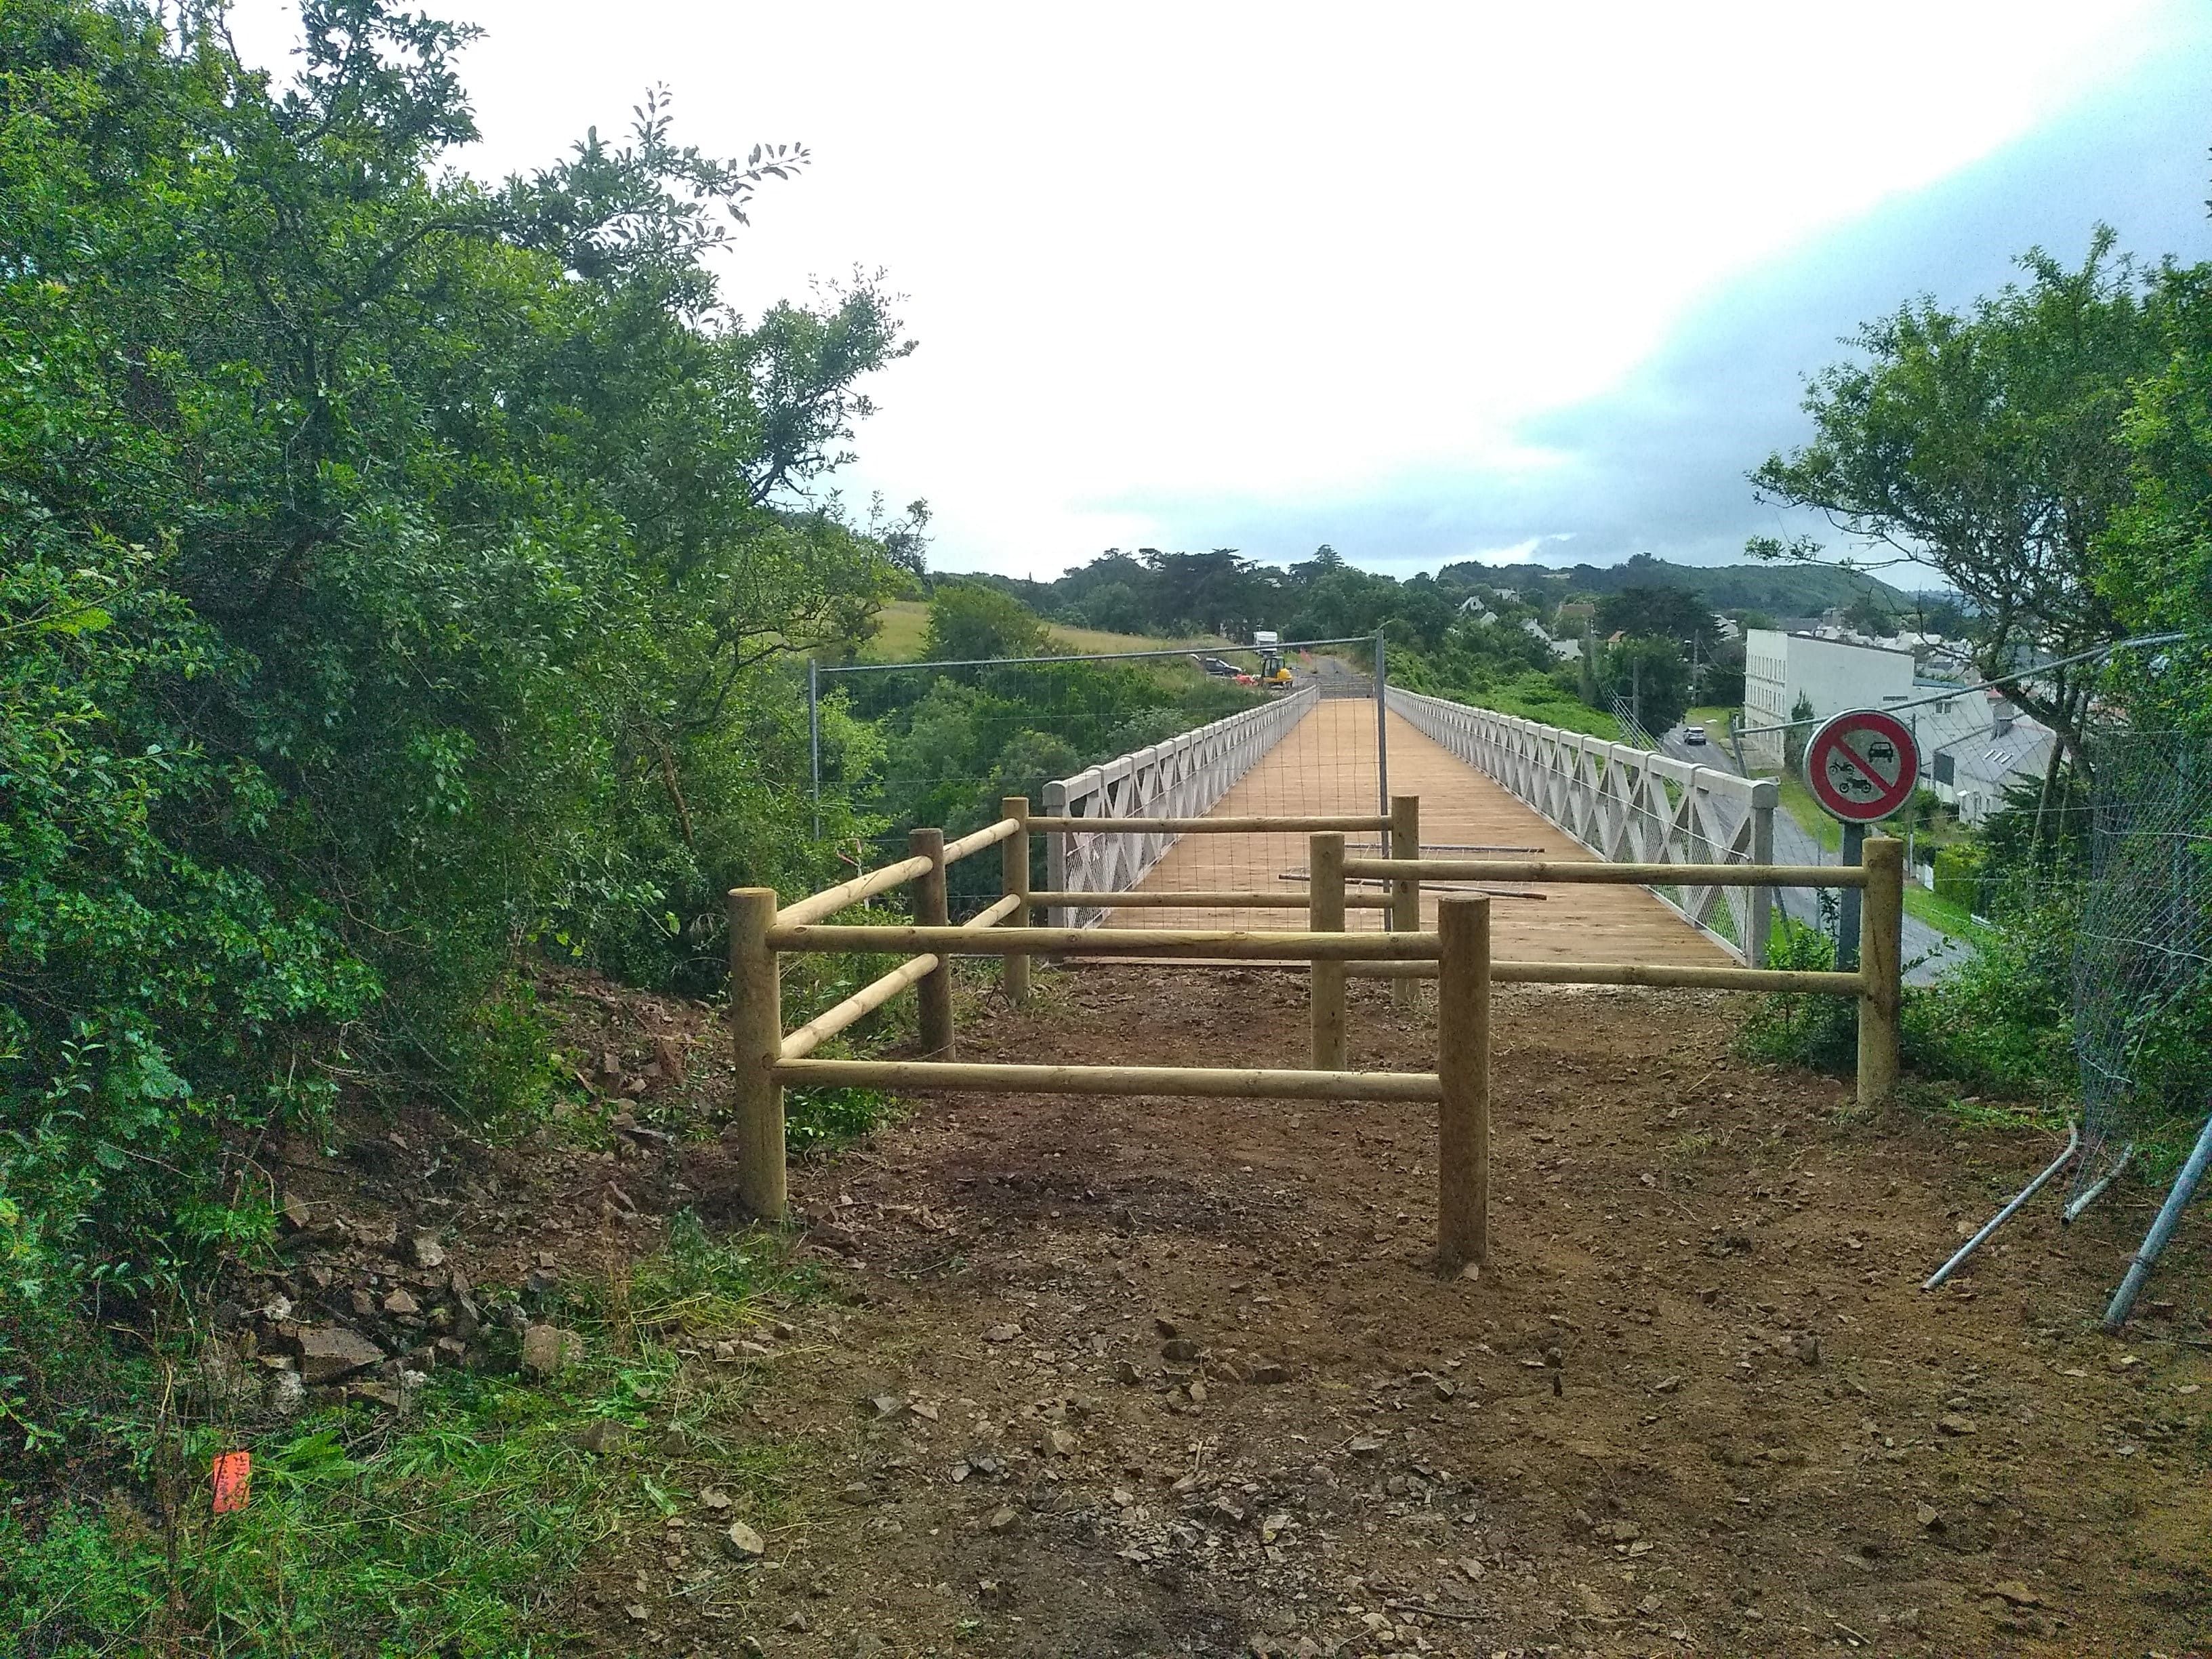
<point x="903" y="630"/>
<point x="455" y="1526"/>
<point x="1924" y="906"/>
<point x="1797" y="801"/>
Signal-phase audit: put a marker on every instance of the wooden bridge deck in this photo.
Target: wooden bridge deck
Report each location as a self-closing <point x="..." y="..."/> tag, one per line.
<point x="1325" y="763"/>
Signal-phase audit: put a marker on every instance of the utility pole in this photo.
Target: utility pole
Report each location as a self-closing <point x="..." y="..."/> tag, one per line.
<point x="1635" y="692"/>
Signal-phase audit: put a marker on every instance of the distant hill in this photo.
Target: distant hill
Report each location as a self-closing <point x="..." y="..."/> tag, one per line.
<point x="1780" y="590"/>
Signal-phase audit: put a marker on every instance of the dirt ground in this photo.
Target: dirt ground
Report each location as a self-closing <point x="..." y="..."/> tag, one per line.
<point x="1123" y="1377"/>
<point x="1155" y="1377"/>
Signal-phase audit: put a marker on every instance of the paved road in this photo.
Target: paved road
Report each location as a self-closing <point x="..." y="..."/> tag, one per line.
<point x="1927" y="949"/>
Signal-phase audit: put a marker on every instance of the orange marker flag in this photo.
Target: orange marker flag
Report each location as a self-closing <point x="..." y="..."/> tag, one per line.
<point x="233" y="1480"/>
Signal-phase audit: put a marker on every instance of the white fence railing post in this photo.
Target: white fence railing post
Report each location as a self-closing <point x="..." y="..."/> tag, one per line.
<point x="1185" y="777"/>
<point x="1625" y="804"/>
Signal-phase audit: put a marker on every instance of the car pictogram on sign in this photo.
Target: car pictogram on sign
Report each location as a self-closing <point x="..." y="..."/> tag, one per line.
<point x="1861" y="765"/>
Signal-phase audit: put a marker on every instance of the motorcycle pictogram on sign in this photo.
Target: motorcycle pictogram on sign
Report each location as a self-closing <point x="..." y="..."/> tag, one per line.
<point x="1861" y="765"/>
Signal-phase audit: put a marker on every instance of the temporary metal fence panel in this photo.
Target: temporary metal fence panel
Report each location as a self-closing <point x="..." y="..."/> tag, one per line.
<point x="1627" y="806"/>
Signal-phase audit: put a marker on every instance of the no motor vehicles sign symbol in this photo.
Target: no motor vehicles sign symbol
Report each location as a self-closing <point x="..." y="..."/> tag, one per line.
<point x="1861" y="765"/>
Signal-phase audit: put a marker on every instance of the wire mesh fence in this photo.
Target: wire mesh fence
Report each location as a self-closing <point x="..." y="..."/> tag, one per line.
<point x="2142" y="946"/>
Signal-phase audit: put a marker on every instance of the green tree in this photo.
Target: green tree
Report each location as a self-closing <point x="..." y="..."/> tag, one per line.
<point x="1649" y="675"/>
<point x="1988" y="447"/>
<point x="398" y="580"/>
<point x="1869" y="615"/>
<point x="2154" y="560"/>
<point x="968" y="623"/>
<point x="1675" y="614"/>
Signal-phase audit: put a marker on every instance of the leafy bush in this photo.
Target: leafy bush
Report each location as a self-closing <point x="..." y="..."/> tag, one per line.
<point x="398" y="576"/>
<point x="1958" y="876"/>
<point x="1793" y="1028"/>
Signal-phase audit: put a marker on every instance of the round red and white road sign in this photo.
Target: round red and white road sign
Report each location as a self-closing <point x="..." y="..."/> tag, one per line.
<point x="1861" y="765"/>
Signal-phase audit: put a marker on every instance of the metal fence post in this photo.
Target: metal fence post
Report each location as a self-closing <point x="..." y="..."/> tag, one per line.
<point x="1056" y="853"/>
<point x="1014" y="877"/>
<point x="1463" y="1070"/>
<point x="1325" y="914"/>
<point x="931" y="909"/>
<point x="1406" y="895"/>
<point x="756" y="1046"/>
<point x="814" y="735"/>
<point x="1382" y="729"/>
<point x="1882" y="950"/>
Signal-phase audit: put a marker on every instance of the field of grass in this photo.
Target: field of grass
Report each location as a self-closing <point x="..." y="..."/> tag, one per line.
<point x="904" y="626"/>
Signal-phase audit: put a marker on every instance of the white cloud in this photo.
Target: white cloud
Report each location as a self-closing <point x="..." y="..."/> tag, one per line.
<point x="1161" y="254"/>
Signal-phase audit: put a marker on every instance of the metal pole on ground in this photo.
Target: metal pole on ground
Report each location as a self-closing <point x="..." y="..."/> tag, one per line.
<point x="1014" y="877"/>
<point x="1406" y="896"/>
<point x="1325" y="914"/>
<point x="1463" y="1069"/>
<point x="2161" y="1231"/>
<point x="756" y="1046"/>
<point x="1382" y="729"/>
<point x="931" y="909"/>
<point x="1882" y="968"/>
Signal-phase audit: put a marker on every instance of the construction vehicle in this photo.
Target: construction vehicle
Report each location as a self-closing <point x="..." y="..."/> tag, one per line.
<point x="1273" y="673"/>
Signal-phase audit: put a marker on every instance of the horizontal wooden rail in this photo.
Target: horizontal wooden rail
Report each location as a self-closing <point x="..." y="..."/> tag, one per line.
<point x="1224" y="1083"/>
<point x="1277" y="900"/>
<point x="1667" y="974"/>
<point x="1109" y="941"/>
<point x="864" y="1001"/>
<point x="996" y="913"/>
<point x="1212" y="826"/>
<point x="1591" y="870"/>
<point x="989" y="836"/>
<point x="831" y="900"/>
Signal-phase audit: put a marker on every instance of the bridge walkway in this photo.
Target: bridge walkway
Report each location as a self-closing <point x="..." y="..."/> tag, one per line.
<point x="1326" y="764"/>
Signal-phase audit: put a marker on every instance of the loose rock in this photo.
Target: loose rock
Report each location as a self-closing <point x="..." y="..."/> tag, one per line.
<point x="742" y="1541"/>
<point x="546" y="1348"/>
<point x="328" y="1352"/>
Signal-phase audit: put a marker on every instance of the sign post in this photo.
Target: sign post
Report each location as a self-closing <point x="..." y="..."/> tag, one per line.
<point x="1861" y="766"/>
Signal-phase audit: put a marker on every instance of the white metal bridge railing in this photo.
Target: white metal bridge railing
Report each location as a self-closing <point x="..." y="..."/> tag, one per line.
<point x="1627" y="806"/>
<point x="1185" y="777"/>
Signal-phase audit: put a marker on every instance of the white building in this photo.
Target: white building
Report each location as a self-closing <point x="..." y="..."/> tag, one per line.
<point x="1780" y="669"/>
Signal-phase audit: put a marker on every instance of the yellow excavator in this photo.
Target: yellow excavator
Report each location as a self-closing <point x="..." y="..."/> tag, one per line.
<point x="1273" y="673"/>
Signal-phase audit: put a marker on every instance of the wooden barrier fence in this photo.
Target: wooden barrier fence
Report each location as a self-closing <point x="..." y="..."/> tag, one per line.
<point x="1457" y="954"/>
<point x="1877" y="983"/>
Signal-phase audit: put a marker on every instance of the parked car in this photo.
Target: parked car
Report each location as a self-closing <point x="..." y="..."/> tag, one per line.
<point x="1218" y="668"/>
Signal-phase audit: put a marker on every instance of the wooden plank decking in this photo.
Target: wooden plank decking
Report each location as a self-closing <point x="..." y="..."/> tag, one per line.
<point x="1326" y="764"/>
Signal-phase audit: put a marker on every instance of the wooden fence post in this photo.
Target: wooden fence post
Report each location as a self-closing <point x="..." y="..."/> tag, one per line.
<point x="1406" y="896"/>
<point x="1014" y="877"/>
<point x="1882" y="950"/>
<point x="1463" y="1068"/>
<point x="757" y="1043"/>
<point x="932" y="909"/>
<point x="1325" y="914"/>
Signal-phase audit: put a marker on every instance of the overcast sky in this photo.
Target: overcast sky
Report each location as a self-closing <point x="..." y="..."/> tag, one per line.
<point x="1425" y="282"/>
